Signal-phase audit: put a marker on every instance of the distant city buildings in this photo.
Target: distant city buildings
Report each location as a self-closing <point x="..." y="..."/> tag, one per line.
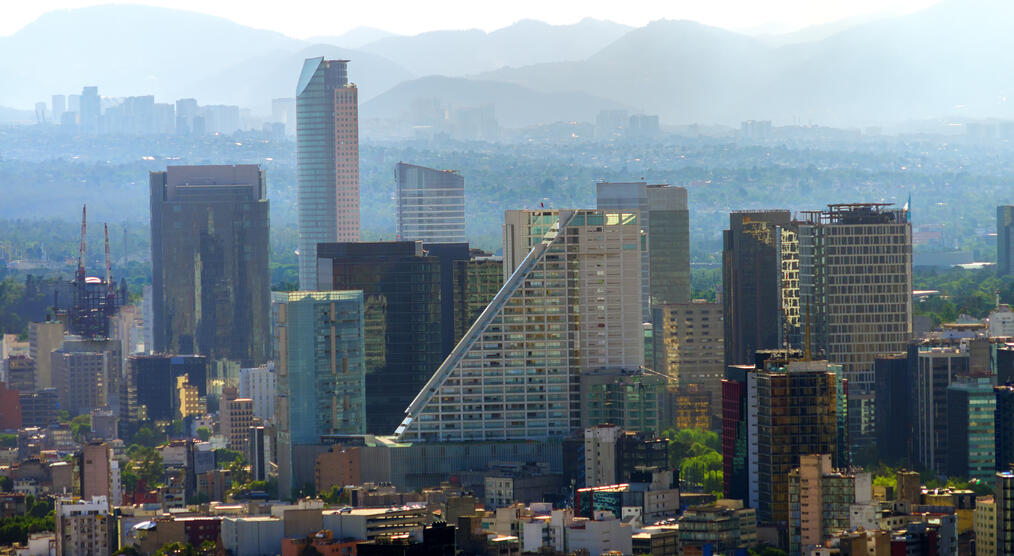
<point x="429" y="204"/>
<point x="1005" y="240"/>
<point x="327" y="156"/>
<point x="209" y="244"/>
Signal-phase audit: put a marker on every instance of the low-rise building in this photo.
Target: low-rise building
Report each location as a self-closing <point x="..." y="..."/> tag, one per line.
<point x="84" y="528"/>
<point x="721" y="528"/>
<point x="252" y="536"/>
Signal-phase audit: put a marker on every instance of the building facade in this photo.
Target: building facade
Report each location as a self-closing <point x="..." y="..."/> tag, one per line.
<point x="320" y="365"/>
<point x="689" y="349"/>
<point x="971" y="438"/>
<point x="429" y="204"/>
<point x="209" y="252"/>
<point x="1004" y="240"/>
<point x="572" y="305"/>
<point x="327" y="157"/>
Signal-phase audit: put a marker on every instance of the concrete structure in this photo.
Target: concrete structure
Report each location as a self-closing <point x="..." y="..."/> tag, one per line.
<point x="209" y="252"/>
<point x="258" y="384"/>
<point x="338" y="467"/>
<point x="84" y="528"/>
<point x="252" y="536"/>
<point x="665" y="261"/>
<point x="1001" y="322"/>
<point x="429" y="205"/>
<point x="1004" y="240"/>
<point x="43" y="339"/>
<point x="605" y="533"/>
<point x="321" y="368"/>
<point x="689" y="350"/>
<point x="327" y="156"/>
<point x="20" y="373"/>
<point x="530" y="340"/>
<point x="1004" y="500"/>
<point x="820" y="501"/>
<point x="725" y="527"/>
<point x="86" y="374"/>
<point x="985" y="526"/>
<point x="236" y="416"/>
<point x="10" y="408"/>
<point x="367" y="524"/>
<point x="96" y="473"/>
<point x="612" y="455"/>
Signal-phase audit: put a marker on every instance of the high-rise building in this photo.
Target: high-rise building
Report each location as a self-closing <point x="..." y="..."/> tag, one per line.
<point x="613" y="455"/>
<point x="1005" y="240"/>
<point x="985" y="525"/>
<point x="429" y="204"/>
<point x="58" y="103"/>
<point x="752" y="284"/>
<point x="665" y="261"/>
<point x="689" y="350"/>
<point x="571" y="304"/>
<point x="935" y="369"/>
<point x="633" y="399"/>
<point x="1003" y="427"/>
<point x="151" y="382"/>
<point x="38" y="409"/>
<point x="21" y="373"/>
<point x="774" y="415"/>
<point x="1004" y="498"/>
<point x="476" y="282"/>
<point x="258" y="384"/>
<point x="96" y="475"/>
<point x="893" y="409"/>
<point x="855" y="278"/>
<point x="10" y="408"/>
<point x="43" y="339"/>
<point x="820" y="500"/>
<point x="327" y="156"/>
<point x="320" y="365"/>
<point x="87" y="374"/>
<point x="403" y="319"/>
<point x="84" y="528"/>
<point x="971" y="410"/>
<point x="236" y="419"/>
<point x="209" y="245"/>
<point x="91" y="109"/>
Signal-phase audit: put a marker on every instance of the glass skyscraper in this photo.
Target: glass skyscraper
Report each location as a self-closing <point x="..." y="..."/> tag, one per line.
<point x="429" y="204"/>
<point x="209" y="253"/>
<point x="327" y="156"/>
<point x="320" y="367"/>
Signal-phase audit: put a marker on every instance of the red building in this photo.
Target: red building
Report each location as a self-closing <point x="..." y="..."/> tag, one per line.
<point x="10" y="408"/>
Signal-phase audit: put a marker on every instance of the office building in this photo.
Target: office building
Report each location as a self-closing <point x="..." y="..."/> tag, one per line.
<point x="634" y="399"/>
<point x="820" y="501"/>
<point x="1004" y="498"/>
<point x="403" y="319"/>
<point x="258" y="454"/>
<point x="725" y="527"/>
<point x="935" y="369"/>
<point x="258" y="384"/>
<point x="84" y="528"/>
<point x="515" y="374"/>
<point x="43" y="339"/>
<point x="450" y="256"/>
<point x="96" y="475"/>
<point x="984" y="523"/>
<point x="58" y="105"/>
<point x="1003" y="427"/>
<point x="429" y="205"/>
<point x="87" y="374"/>
<point x="189" y="402"/>
<point x="665" y="261"/>
<point x="21" y="373"/>
<point x="476" y="282"/>
<point x="893" y="409"/>
<point x="236" y="419"/>
<point x="689" y="350"/>
<point x="752" y="284"/>
<point x="151" y="381"/>
<point x="209" y="246"/>
<point x="971" y="440"/>
<point x="613" y="455"/>
<point x="855" y="279"/>
<point x="90" y="109"/>
<point x="771" y="417"/>
<point x="320" y="364"/>
<point x="1005" y="240"/>
<point x="327" y="156"/>
<point x="38" y="409"/>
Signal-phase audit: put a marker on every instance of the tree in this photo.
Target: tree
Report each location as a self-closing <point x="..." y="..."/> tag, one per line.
<point x="6" y="484"/>
<point x="145" y="436"/>
<point x="204" y="433"/>
<point x="81" y="427"/>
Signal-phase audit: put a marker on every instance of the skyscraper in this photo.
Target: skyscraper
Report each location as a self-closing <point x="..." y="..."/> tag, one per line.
<point x="151" y="379"/>
<point x="209" y="247"/>
<point x="1005" y="240"/>
<point x="751" y="284"/>
<point x="572" y="304"/>
<point x="403" y="317"/>
<point x="320" y="363"/>
<point x="855" y="277"/>
<point x="971" y="410"/>
<point x="935" y="369"/>
<point x="327" y="155"/>
<point x="665" y="265"/>
<point x="689" y="350"/>
<point x="91" y="109"/>
<point x="429" y="204"/>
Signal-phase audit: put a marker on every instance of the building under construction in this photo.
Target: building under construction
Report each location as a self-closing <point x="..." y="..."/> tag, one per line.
<point x="96" y="300"/>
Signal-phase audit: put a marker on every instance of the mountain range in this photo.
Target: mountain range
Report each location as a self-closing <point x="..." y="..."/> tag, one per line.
<point x="948" y="60"/>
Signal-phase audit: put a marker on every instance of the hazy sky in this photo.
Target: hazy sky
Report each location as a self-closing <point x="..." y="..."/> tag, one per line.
<point x="305" y="18"/>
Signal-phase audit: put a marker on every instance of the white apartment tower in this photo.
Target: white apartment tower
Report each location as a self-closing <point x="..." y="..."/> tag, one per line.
<point x="571" y="304"/>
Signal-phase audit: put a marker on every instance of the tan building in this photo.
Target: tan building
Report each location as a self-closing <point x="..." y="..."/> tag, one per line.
<point x="95" y="471"/>
<point x="600" y="454"/>
<point x="985" y="526"/>
<point x="84" y="528"/>
<point x="689" y="349"/>
<point x="822" y="498"/>
<point x="188" y="398"/>
<point x="43" y="339"/>
<point x="236" y="416"/>
<point x="337" y="467"/>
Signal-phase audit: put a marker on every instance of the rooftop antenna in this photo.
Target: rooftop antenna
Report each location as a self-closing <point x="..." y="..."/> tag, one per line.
<point x="81" y="256"/>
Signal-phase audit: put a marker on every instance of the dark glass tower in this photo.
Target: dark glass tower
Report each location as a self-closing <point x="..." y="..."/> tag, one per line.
<point x="150" y="387"/>
<point x="209" y="252"/>
<point x="404" y="335"/>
